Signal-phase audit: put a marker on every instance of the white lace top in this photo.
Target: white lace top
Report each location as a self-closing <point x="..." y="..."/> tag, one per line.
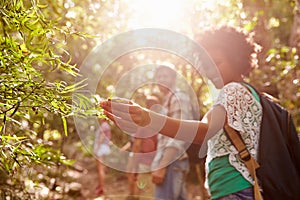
<point x="244" y="113"/>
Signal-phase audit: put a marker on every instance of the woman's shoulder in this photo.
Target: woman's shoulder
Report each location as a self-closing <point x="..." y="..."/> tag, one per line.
<point x="233" y="88"/>
<point x="233" y="85"/>
<point x="231" y="93"/>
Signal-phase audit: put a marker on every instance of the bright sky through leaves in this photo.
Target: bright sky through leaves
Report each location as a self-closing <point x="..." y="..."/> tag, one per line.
<point x="168" y="14"/>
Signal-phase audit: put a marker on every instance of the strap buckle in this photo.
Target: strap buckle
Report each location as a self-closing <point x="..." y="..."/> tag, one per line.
<point x="244" y="155"/>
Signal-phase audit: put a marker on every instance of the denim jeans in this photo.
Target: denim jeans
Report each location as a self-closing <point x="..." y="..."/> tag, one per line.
<point x="246" y="194"/>
<point x="173" y="186"/>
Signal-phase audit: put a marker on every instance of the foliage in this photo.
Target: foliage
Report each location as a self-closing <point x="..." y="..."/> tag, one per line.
<point x="279" y="61"/>
<point x="281" y="71"/>
<point x="43" y="43"/>
<point x="31" y="47"/>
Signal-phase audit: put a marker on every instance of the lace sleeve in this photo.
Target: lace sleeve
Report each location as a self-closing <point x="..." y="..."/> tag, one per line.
<point x="239" y="105"/>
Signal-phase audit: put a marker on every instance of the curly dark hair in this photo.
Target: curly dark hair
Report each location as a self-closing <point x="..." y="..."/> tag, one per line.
<point x="238" y="46"/>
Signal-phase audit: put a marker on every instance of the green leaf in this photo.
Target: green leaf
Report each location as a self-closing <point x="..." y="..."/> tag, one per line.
<point x="65" y="125"/>
<point x="42" y="6"/>
<point x="74" y="87"/>
<point x="67" y="162"/>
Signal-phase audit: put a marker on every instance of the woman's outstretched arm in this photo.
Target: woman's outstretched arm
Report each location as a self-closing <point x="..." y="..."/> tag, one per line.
<point x="129" y="116"/>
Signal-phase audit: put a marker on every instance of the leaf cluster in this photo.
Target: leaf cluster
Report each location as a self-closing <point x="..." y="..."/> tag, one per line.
<point x="32" y="46"/>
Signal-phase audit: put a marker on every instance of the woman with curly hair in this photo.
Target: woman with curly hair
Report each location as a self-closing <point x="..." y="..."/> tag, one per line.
<point x="234" y="54"/>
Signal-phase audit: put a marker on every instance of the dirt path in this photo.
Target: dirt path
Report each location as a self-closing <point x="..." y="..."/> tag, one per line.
<point x="116" y="185"/>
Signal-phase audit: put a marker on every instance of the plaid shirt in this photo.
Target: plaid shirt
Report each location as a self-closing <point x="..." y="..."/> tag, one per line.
<point x="176" y="105"/>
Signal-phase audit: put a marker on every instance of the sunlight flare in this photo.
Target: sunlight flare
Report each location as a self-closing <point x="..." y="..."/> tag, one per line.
<point x="157" y="13"/>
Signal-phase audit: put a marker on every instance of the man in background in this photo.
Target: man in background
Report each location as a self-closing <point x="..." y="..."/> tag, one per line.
<point x="171" y="164"/>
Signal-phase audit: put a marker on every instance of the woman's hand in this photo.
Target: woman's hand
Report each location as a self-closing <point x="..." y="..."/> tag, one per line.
<point x="128" y="116"/>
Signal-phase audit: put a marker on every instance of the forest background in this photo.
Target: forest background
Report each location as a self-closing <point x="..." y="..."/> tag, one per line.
<point x="43" y="44"/>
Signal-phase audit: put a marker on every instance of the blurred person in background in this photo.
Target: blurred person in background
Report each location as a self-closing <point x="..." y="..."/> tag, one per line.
<point x="142" y="154"/>
<point x="102" y="149"/>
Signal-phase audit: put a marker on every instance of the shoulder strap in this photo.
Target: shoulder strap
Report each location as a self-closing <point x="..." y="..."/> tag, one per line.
<point x="244" y="154"/>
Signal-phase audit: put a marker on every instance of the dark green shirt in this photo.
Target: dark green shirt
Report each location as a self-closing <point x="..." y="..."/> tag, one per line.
<point x="224" y="179"/>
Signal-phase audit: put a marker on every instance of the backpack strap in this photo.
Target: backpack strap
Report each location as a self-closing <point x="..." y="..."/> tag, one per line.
<point x="246" y="157"/>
